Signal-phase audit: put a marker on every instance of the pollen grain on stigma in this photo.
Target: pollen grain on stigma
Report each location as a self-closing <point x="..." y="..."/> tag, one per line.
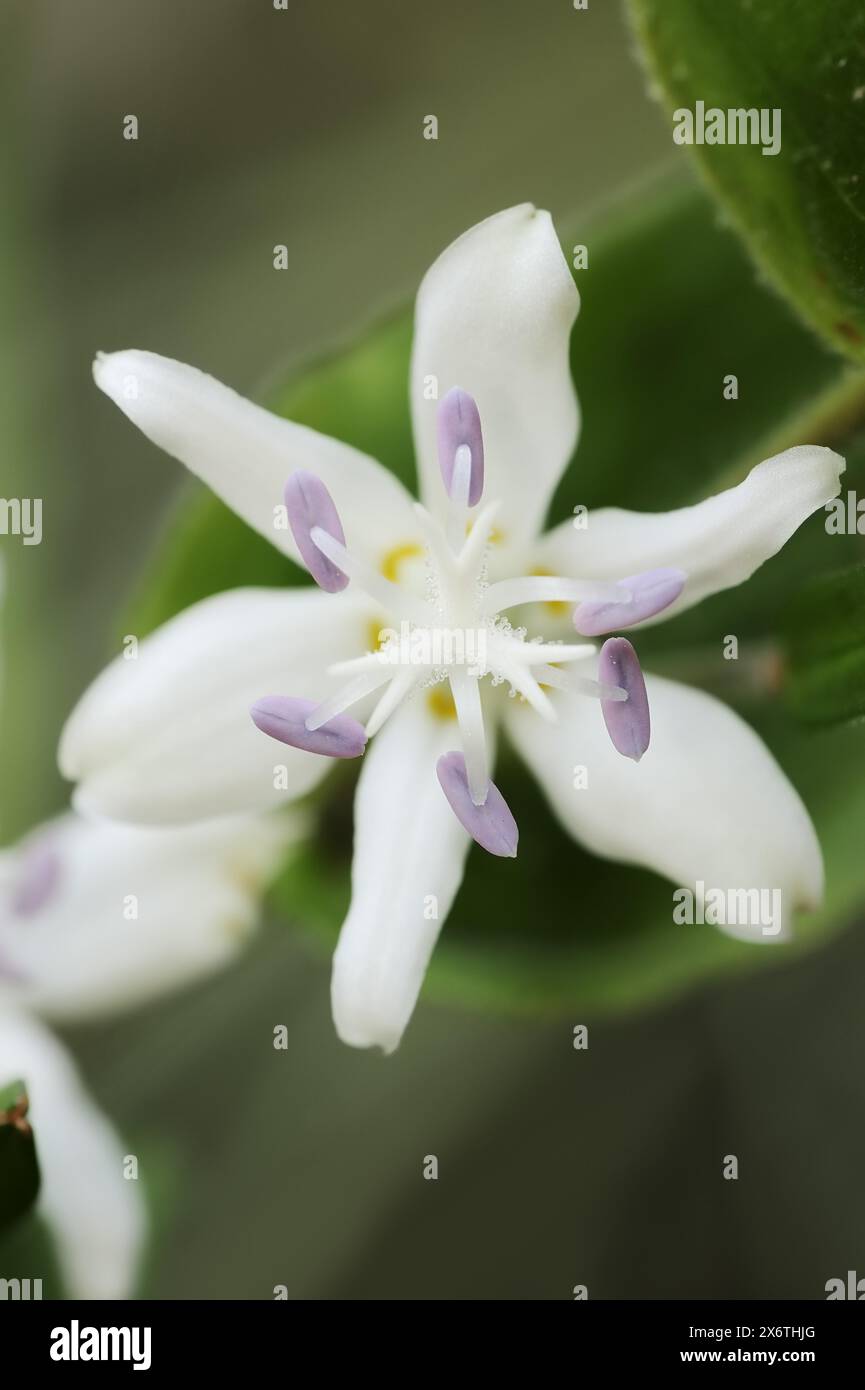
<point x="454" y="630"/>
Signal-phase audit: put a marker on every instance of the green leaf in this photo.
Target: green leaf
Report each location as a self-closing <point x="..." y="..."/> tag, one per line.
<point x="827" y="648"/>
<point x="19" y="1168"/>
<point x="665" y="300"/>
<point x="802" y="210"/>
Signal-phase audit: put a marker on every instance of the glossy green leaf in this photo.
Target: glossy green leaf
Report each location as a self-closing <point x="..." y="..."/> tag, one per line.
<point x="801" y="210"/>
<point x="827" y="648"/>
<point x="670" y="306"/>
<point x="19" y="1168"/>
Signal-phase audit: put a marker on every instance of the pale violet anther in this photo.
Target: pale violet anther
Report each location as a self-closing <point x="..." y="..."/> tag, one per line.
<point x="650" y="593"/>
<point x="627" y="721"/>
<point x="284" y="717"/>
<point x="308" y="506"/>
<point x="460" y="446"/>
<point x="490" y="825"/>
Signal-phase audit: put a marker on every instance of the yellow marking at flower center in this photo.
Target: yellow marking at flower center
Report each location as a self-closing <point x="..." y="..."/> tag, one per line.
<point x="496" y="535"/>
<point x="374" y="630"/>
<point x="556" y="607"/>
<point x="440" y="701"/>
<point x="396" y="558"/>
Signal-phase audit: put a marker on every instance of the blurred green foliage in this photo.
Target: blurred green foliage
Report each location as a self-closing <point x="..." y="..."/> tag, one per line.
<point x="826" y="627"/>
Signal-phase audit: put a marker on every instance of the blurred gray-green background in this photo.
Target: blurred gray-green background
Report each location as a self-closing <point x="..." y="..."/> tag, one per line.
<point x="304" y="1167"/>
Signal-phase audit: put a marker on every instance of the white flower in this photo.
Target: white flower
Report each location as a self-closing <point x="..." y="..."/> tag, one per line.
<point x="93" y="919"/>
<point x="168" y="738"/>
<point x="100" y="917"/>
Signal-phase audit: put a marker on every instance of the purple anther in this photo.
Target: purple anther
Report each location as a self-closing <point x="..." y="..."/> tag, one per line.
<point x="308" y="504"/>
<point x="38" y="879"/>
<point x="491" y="825"/>
<point x="458" y="424"/>
<point x="627" y="721"/>
<point x="651" y="592"/>
<point x="283" y="717"/>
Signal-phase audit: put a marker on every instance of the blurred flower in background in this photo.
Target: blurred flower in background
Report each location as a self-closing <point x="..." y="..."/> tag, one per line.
<point x="94" y="919"/>
<point x="98" y="917"/>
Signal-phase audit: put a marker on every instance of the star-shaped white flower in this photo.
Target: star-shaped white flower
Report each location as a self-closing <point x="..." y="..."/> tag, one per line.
<point x="168" y="738"/>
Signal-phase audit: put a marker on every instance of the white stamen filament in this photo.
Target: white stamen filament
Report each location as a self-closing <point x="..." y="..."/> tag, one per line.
<point x="447" y="571"/>
<point x="383" y="591"/>
<point x="550" y="588"/>
<point x="580" y="685"/>
<point x="461" y="479"/>
<point x="601" y="690"/>
<point x="539" y="653"/>
<point x="478" y="539"/>
<point x="396" y="692"/>
<point x="432" y="529"/>
<point x="370" y="661"/>
<point x="525" y="684"/>
<point x="347" y="696"/>
<point x="467" y="698"/>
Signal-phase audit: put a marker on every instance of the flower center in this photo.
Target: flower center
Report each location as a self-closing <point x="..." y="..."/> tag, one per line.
<point x="454" y="628"/>
<point x="457" y="630"/>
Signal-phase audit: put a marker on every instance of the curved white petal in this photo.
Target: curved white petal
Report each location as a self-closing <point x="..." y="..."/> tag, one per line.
<point x="718" y="543"/>
<point x="409" y="853"/>
<point x="95" y="1214"/>
<point x="494" y="316"/>
<point x="245" y="453"/>
<point x="167" y="737"/>
<point x="132" y="912"/>
<point x="707" y="802"/>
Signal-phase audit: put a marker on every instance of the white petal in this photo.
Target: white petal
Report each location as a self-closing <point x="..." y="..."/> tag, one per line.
<point x="409" y="853"/>
<point x="167" y="737"/>
<point x="707" y="802"/>
<point x="95" y="1214"/>
<point x="245" y="453"/>
<point x="494" y="316"/>
<point x="718" y="543"/>
<point x="134" y="912"/>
